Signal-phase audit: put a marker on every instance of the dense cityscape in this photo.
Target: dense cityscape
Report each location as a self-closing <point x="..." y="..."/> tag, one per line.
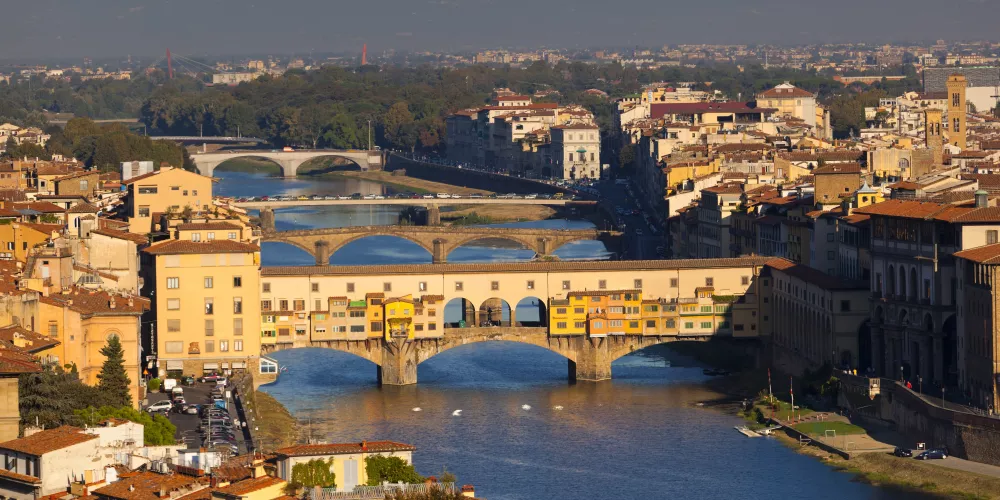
<point x="358" y="275"/>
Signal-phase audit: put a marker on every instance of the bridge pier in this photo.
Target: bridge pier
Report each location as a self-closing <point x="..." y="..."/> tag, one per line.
<point x="399" y="363"/>
<point x="439" y="255"/>
<point x="593" y="361"/>
<point x="267" y="219"/>
<point x="322" y="253"/>
<point x="433" y="215"/>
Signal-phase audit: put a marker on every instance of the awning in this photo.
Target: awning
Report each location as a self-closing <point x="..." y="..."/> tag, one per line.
<point x="211" y="366"/>
<point x="239" y="364"/>
<point x="175" y="365"/>
<point x="225" y="366"/>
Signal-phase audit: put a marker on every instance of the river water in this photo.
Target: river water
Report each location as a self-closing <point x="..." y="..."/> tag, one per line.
<point x="640" y="435"/>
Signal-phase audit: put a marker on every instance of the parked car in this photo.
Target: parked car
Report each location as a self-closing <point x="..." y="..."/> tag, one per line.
<point x="187" y="380"/>
<point x="932" y="455"/>
<point x="211" y="377"/>
<point x="902" y="452"/>
<point x="191" y="410"/>
<point x="164" y="405"/>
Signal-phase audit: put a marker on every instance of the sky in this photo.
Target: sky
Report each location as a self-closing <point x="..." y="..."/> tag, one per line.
<point x="101" y="28"/>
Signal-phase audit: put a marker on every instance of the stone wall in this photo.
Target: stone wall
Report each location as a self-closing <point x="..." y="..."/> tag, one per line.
<point x="966" y="435"/>
<point x="470" y="178"/>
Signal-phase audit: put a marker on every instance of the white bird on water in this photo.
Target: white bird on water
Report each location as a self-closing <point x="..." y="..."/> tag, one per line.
<point x="525" y="407"/>
<point x="456" y="413"/>
<point x="417" y="409"/>
<point x="557" y="407"/>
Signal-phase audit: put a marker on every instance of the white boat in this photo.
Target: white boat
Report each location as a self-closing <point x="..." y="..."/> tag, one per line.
<point x="747" y="432"/>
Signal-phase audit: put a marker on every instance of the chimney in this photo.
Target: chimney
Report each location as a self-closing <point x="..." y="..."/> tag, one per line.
<point x="982" y="199"/>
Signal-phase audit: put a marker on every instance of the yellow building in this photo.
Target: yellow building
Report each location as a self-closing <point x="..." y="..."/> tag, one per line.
<point x="82" y="321"/>
<point x="17" y="238"/>
<point x="399" y="314"/>
<point x="347" y="460"/>
<point x="208" y="307"/>
<point x="373" y="313"/>
<point x="166" y="190"/>
<point x="957" y="109"/>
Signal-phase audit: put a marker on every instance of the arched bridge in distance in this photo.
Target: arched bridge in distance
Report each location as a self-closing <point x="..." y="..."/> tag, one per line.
<point x="288" y="161"/>
<point x="439" y="241"/>
<point x="589" y="358"/>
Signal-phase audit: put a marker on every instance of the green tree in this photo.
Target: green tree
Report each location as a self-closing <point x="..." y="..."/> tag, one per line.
<point x="157" y="429"/>
<point x="113" y="380"/>
<point x="50" y="397"/>
<point x="342" y="133"/>
<point x="314" y="473"/>
<point x="397" y="117"/>
<point x="390" y="469"/>
<point x="626" y="156"/>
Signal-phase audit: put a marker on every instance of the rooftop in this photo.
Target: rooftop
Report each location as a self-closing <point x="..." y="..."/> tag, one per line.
<point x="43" y="442"/>
<point x="148" y="486"/>
<point x="307" y="450"/>
<point x="173" y="247"/>
<point x="987" y="254"/>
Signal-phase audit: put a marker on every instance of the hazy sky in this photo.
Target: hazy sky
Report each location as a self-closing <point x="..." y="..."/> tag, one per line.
<point x="97" y="28"/>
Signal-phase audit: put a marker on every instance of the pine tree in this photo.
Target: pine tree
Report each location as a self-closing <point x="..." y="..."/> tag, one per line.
<point x="114" y="382"/>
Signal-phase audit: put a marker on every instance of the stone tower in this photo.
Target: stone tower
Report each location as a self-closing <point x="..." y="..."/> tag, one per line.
<point x="956" y="109"/>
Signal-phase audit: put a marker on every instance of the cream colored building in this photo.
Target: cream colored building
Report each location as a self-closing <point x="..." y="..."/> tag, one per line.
<point x="207" y="304"/>
<point x="576" y="151"/>
<point x="347" y="460"/>
<point x="166" y="190"/>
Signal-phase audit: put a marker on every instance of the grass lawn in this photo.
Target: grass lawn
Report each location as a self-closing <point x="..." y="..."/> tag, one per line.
<point x="784" y="410"/>
<point x="820" y="428"/>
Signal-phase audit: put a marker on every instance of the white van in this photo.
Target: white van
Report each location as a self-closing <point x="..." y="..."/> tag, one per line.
<point x="169" y="384"/>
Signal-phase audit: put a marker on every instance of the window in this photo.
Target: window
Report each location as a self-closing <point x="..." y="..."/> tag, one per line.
<point x="237" y="282"/>
<point x="209" y="327"/>
<point x="174" y="347"/>
<point x="706" y="324"/>
<point x="173" y="304"/>
<point x="376" y="326"/>
<point x="232" y="235"/>
<point x="829" y="237"/>
<point x="829" y="255"/>
<point x="144" y="211"/>
<point x="265" y="305"/>
<point x="565" y="285"/>
<point x="357" y="314"/>
<point x="688" y="324"/>
<point x="209" y="305"/>
<point x="173" y="283"/>
<point x="991" y="237"/>
<point x="195" y="236"/>
<point x="845" y="306"/>
<point x="209" y="346"/>
<point x="238" y="345"/>
<point x="650" y="323"/>
<point x="350" y="288"/>
<point x="210" y="236"/>
<point x="560" y="310"/>
<point x="706" y="309"/>
<point x="432" y="326"/>
<point x="709" y="281"/>
<point x="744" y="280"/>
<point x="579" y="324"/>
<point x="173" y="325"/>
<point x="237" y="305"/>
<point x="386" y="287"/>
<point x="282" y="305"/>
<point x="669" y="323"/>
<point x="561" y="324"/>
<point x="422" y="286"/>
<point x="300" y="305"/>
<point x="266" y="287"/>
<point x="317" y="305"/>
<point x="238" y="328"/>
<point x="578" y="310"/>
<point x="531" y="285"/>
<point x="458" y="286"/>
<point x="357" y="328"/>
<point x="637" y="284"/>
<point x="673" y="282"/>
<point x="209" y="282"/>
<point x="494" y="285"/>
<point x="147" y="189"/>
<point x="223" y="346"/>
<point x="602" y="284"/>
<point x="315" y="287"/>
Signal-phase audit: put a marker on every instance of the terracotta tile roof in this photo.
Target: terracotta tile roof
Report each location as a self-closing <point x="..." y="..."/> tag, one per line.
<point x="427" y="298"/>
<point x="658" y="110"/>
<point x="43" y="228"/>
<point x="33" y="341"/>
<point x="785" y="91"/>
<point x="21" y="478"/>
<point x="905" y="185"/>
<point x="148" y="486"/>
<point x="309" y="450"/>
<point x="14" y="360"/>
<point x="56" y="169"/>
<point x="838" y="168"/>
<point x="600" y="293"/>
<point x="247" y="486"/>
<point x="490" y="268"/>
<point x="89" y="270"/>
<point x="836" y="155"/>
<point x="987" y="254"/>
<point x="74" y="175"/>
<point x="855" y="218"/>
<point x="82" y="208"/>
<point x="12" y="195"/>
<point x="173" y="247"/>
<point x="970" y="215"/>
<point x="140" y="177"/>
<point x="138" y="239"/>
<point x="97" y="302"/>
<point x="725" y="189"/>
<point x="47" y="441"/>
<point x="574" y="126"/>
<point x="752" y="146"/>
<point x="904" y="208"/>
<point x="810" y="275"/>
<point x="44" y="207"/>
<point x="208" y="226"/>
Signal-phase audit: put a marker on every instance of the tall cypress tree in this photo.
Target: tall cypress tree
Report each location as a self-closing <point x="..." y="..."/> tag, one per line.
<point x="114" y="381"/>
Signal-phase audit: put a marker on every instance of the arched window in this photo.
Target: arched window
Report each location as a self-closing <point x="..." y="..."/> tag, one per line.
<point x="891" y="281"/>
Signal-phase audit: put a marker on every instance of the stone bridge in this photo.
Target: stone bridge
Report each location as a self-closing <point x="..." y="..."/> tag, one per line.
<point x="589" y="358"/>
<point x="438" y="240"/>
<point x="288" y="161"/>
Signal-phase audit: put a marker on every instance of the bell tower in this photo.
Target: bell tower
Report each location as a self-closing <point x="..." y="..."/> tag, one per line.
<point x="956" y="110"/>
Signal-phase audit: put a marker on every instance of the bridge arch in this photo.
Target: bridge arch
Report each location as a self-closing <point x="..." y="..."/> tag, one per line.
<point x="523" y="314"/>
<point x="255" y="163"/>
<point x="290" y="161"/>
<point x="495" y="311"/>
<point x="460" y="309"/>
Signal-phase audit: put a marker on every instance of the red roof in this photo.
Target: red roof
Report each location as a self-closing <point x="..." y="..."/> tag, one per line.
<point x="988" y="254"/>
<point x="785" y="90"/>
<point x="46" y="441"/>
